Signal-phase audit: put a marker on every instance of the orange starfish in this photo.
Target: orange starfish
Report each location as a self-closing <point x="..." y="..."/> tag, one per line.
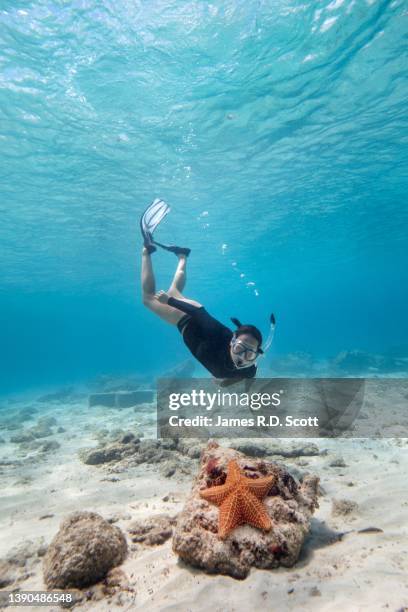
<point x="239" y="500"/>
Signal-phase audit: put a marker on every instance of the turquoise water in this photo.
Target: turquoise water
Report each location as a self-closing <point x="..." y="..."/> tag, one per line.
<point x="276" y="129"/>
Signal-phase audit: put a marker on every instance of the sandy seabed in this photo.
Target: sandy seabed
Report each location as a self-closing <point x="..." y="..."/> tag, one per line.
<point x="340" y="568"/>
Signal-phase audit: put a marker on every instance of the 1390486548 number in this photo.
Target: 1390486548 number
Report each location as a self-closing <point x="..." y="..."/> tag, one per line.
<point x="38" y="598"/>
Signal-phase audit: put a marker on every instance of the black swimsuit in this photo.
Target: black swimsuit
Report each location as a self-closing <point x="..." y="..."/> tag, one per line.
<point x="209" y="341"/>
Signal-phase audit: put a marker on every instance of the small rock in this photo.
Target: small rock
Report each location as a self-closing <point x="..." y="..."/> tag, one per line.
<point x="314" y="592"/>
<point x="116" y="577"/>
<point x="169" y="443"/>
<point x="118" y="516"/>
<point x="153" y="531"/>
<point x="61" y="429"/>
<point x="77" y="597"/>
<point x="195" y="452"/>
<point x="168" y="469"/>
<point x="8" y="574"/>
<point x="128" y="437"/>
<point x="337" y="462"/>
<point x="343" y="507"/>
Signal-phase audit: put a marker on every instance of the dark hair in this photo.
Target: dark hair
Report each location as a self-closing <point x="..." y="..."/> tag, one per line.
<point x="248" y="329"/>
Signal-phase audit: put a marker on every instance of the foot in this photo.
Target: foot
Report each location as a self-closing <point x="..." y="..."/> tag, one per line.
<point x="149" y="249"/>
<point x="174" y="249"/>
<point x="180" y="251"/>
<point x="148" y="243"/>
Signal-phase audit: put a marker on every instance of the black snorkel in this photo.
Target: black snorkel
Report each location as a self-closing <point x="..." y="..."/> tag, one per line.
<point x="272" y="326"/>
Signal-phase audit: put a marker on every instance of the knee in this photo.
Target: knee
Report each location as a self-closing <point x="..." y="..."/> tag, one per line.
<point x="147" y="299"/>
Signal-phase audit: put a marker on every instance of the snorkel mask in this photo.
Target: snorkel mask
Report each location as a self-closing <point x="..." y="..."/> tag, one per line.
<point x="247" y="353"/>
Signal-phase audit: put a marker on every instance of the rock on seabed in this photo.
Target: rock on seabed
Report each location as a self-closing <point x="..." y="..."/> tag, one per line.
<point x="85" y="548"/>
<point x="289" y="504"/>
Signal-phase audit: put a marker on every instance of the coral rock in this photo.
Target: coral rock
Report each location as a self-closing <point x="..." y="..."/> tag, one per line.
<point x="85" y="548"/>
<point x="288" y="504"/>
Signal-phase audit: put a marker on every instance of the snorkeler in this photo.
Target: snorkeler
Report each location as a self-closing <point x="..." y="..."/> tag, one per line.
<point x="225" y="354"/>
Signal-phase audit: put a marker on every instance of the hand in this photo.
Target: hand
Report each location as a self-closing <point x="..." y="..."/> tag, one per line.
<point x="162" y="297"/>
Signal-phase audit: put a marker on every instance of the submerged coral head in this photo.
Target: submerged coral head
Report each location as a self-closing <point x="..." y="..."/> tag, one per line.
<point x="240" y="501"/>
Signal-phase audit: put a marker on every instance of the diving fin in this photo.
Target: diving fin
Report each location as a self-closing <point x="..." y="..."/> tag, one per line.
<point x="152" y="216"/>
<point x="174" y="249"/>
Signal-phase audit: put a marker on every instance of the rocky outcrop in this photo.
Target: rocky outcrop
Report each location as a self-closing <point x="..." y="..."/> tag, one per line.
<point x="257" y="448"/>
<point x="129" y="451"/>
<point x="107" y="454"/>
<point x="288" y="503"/>
<point x="85" y="548"/>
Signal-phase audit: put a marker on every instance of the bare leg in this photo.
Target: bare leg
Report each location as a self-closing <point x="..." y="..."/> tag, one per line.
<point x="179" y="282"/>
<point x="165" y="312"/>
<point x="148" y="280"/>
